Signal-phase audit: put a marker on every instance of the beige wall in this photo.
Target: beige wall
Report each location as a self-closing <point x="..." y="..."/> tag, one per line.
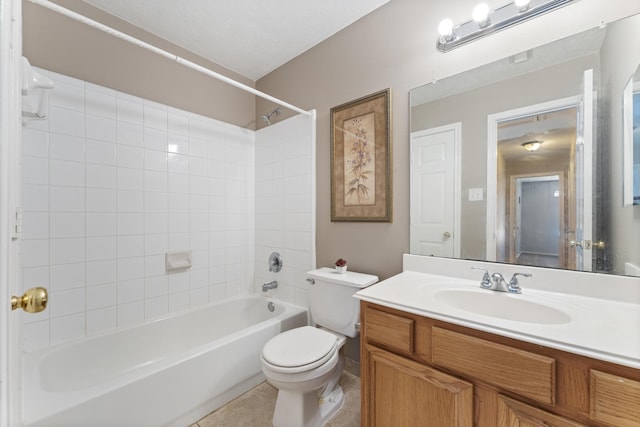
<point x="395" y="47"/>
<point x="60" y="44"/>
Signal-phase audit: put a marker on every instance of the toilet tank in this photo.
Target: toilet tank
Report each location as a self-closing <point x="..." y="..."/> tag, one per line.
<point x="331" y="300"/>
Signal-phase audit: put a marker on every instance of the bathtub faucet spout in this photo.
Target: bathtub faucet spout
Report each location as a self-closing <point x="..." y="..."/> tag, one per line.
<point x="270" y="285"/>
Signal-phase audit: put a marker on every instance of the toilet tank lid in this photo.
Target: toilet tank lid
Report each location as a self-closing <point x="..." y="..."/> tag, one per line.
<point x="348" y="278"/>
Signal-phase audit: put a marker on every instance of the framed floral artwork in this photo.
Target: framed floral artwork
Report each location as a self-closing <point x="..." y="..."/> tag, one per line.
<point x="361" y="159"/>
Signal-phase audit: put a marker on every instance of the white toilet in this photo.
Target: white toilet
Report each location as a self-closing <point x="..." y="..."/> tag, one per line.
<point x="305" y="364"/>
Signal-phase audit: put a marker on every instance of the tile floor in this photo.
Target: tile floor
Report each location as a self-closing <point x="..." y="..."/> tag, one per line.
<point x="255" y="407"/>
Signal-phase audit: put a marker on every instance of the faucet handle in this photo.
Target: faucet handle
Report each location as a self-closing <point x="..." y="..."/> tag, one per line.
<point x="486" y="278"/>
<point x="514" y="286"/>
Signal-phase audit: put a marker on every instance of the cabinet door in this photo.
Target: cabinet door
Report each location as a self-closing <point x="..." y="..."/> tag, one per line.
<point x="400" y="392"/>
<point x="512" y="413"/>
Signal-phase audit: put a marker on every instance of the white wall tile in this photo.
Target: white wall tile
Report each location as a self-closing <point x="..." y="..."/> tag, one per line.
<point x="101" y="296"/>
<point x="67" y="276"/>
<point x="101" y="320"/>
<point x="35" y="225"/>
<point x="101" y="224"/>
<point x="156" y="307"/>
<point x="68" y="93"/>
<point x="66" y="302"/>
<point x="155" y="160"/>
<point x="66" y="251"/>
<point x="35" y="143"/>
<point x="155" y="201"/>
<point x="130" y="156"/>
<point x="130" y="134"/>
<point x="66" y="199"/>
<point x="155" y="181"/>
<point x="156" y="286"/>
<point x="101" y="272"/>
<point x="101" y="200"/>
<point x="130" y="223"/>
<point x="155" y="223"/>
<point x="65" y="225"/>
<point x="130" y="246"/>
<point x="130" y="179"/>
<point x="178" y="144"/>
<point x="35" y="170"/>
<point x="178" y="183"/>
<point x="101" y="176"/>
<point x="129" y="109"/>
<point x="130" y="201"/>
<point x="67" y="328"/>
<point x="130" y="268"/>
<point x="35" y="198"/>
<point x="178" y="302"/>
<point x="155" y="115"/>
<point x="130" y="314"/>
<point x="66" y="147"/>
<point x="198" y="297"/>
<point x="100" y="248"/>
<point x="178" y="282"/>
<point x="178" y="121"/>
<point x="155" y="139"/>
<point x="65" y="121"/>
<point x="130" y="290"/>
<point x="178" y="163"/>
<point x="35" y="336"/>
<point x="66" y="173"/>
<point x="100" y="101"/>
<point x="156" y="244"/>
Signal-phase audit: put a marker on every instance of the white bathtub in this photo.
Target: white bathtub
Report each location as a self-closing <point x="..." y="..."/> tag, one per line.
<point x="169" y="372"/>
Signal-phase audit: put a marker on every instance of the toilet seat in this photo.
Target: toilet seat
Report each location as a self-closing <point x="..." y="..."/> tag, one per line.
<point x="299" y="350"/>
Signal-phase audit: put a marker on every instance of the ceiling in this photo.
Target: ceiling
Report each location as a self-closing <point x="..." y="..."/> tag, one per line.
<point x="249" y="37"/>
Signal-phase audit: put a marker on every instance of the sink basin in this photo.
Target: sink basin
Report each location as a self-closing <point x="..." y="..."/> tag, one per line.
<point x="501" y="305"/>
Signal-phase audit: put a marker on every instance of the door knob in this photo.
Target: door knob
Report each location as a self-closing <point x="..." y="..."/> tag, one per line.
<point x="34" y="300"/>
<point x="573" y="243"/>
<point x="446" y="234"/>
<point x="599" y="245"/>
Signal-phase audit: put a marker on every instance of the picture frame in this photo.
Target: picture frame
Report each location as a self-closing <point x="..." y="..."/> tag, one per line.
<point x="361" y="159"/>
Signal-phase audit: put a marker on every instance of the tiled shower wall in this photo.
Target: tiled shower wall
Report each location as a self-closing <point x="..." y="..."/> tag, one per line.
<point x="111" y="182"/>
<point x="285" y="206"/>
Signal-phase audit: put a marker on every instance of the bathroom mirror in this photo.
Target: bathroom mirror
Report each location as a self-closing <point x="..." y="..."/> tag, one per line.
<point x="631" y="135"/>
<point x="520" y="160"/>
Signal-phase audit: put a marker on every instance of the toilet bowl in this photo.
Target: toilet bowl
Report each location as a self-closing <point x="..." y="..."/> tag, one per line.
<point x="305" y="364"/>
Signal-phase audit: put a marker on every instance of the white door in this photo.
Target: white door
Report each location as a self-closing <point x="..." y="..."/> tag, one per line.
<point x="435" y="191"/>
<point x="584" y="167"/>
<point x="10" y="133"/>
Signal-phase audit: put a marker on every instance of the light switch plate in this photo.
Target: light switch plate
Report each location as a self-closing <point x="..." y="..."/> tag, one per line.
<point x="475" y="194"/>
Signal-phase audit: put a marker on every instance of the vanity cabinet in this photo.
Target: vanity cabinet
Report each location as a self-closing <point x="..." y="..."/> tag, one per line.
<point x="418" y="371"/>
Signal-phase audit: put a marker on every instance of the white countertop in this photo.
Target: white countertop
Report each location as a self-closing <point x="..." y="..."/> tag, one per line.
<point x="604" y="329"/>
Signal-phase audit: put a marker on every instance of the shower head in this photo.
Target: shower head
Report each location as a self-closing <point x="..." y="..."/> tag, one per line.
<point x="267" y="117"/>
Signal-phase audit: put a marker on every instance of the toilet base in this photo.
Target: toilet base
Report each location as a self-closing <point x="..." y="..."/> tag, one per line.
<point x="306" y="409"/>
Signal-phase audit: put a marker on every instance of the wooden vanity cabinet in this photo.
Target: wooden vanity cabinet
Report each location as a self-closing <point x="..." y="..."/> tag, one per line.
<point x="418" y="371"/>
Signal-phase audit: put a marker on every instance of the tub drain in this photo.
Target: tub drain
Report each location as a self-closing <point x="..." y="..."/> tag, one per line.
<point x="271" y="306"/>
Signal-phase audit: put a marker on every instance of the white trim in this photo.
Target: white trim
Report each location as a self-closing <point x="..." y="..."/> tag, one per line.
<point x="457" y="176"/>
<point x="10" y="135"/>
<point x="94" y="24"/>
<point x="492" y="158"/>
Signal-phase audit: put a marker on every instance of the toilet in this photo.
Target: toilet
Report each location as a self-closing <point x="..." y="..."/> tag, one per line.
<point x="305" y="364"/>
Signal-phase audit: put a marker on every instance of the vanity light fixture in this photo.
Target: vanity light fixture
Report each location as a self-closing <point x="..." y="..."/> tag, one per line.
<point x="532" y="145"/>
<point x="485" y="21"/>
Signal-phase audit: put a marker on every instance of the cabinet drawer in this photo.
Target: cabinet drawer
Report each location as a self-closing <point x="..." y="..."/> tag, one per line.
<point x="614" y="400"/>
<point x="522" y="372"/>
<point x="390" y="330"/>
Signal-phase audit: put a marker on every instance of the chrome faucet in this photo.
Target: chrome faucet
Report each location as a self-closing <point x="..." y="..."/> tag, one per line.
<point x="270" y="285"/>
<point x="496" y="282"/>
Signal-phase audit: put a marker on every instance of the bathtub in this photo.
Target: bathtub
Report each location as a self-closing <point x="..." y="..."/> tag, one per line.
<point x="169" y="372"/>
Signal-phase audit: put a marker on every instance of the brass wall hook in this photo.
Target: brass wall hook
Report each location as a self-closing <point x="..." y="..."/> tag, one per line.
<point x="34" y="300"/>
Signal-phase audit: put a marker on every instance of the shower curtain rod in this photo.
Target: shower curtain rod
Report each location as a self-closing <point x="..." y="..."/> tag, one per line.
<point x="94" y="24"/>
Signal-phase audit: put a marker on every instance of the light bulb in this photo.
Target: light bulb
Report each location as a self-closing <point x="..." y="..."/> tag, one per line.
<point x="522" y="5"/>
<point x="480" y="14"/>
<point x="445" y="28"/>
